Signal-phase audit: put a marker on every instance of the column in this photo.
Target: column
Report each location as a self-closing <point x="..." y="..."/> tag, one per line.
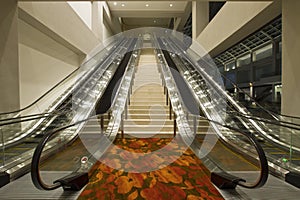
<point x="97" y="19"/>
<point x="9" y="59"/>
<point x="200" y="17"/>
<point x="290" y="58"/>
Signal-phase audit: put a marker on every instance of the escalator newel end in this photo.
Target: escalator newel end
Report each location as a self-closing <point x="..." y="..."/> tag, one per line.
<point x="293" y="178"/>
<point x="4" y="178"/>
<point x="74" y="181"/>
<point x="224" y="180"/>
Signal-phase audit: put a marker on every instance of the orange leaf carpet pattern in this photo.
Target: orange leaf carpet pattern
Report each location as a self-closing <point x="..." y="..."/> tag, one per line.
<point x="186" y="178"/>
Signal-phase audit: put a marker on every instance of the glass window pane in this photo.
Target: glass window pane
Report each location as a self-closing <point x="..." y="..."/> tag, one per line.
<point x="280" y="46"/>
<point x="245" y="60"/>
<point x="263" y="52"/>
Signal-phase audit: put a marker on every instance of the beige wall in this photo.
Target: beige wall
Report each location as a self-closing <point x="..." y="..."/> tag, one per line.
<point x="235" y="21"/>
<point x="83" y="10"/>
<point x="290" y="57"/>
<point x="104" y="25"/>
<point x="59" y="21"/>
<point x="39" y="72"/>
<point x="200" y="17"/>
<point x="53" y="42"/>
<point x="43" y="62"/>
<point x="9" y="70"/>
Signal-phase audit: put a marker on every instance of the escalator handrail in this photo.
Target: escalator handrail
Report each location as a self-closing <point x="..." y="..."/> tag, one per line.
<point x="46" y="93"/>
<point x="272" y="113"/>
<point x="40" y="184"/>
<point x="256" y="125"/>
<point x="35" y="171"/>
<point x="274" y="120"/>
<point x="50" y="90"/>
<point x="29" y="118"/>
<point x="36" y="158"/>
<point x="122" y="79"/>
<point x="34" y="116"/>
<point x="58" y="111"/>
<point x="264" y="168"/>
<point x="41" y="115"/>
<point x="284" y="124"/>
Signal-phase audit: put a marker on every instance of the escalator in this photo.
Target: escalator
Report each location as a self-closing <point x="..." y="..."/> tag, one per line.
<point x="188" y="121"/>
<point x="77" y="175"/>
<point x="275" y="136"/>
<point x="222" y="174"/>
<point x="73" y="108"/>
<point x="92" y="132"/>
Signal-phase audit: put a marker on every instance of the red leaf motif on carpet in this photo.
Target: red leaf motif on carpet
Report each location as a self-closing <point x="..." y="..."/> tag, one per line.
<point x="163" y="192"/>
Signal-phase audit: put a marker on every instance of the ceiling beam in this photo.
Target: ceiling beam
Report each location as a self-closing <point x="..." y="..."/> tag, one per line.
<point x="147" y="14"/>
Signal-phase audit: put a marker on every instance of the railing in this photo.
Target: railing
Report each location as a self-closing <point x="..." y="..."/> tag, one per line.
<point x="281" y="134"/>
<point x="206" y="63"/>
<point x="24" y="129"/>
<point x="38" y="107"/>
<point x="102" y="135"/>
<point x="188" y="131"/>
<point x="81" y="107"/>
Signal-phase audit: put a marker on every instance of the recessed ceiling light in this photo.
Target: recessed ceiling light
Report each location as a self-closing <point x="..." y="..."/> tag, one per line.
<point x="147" y="5"/>
<point x="171" y="5"/>
<point x="115" y="3"/>
<point x="123" y="4"/>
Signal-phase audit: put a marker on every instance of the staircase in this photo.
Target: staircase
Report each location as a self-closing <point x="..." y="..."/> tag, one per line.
<point x="148" y="114"/>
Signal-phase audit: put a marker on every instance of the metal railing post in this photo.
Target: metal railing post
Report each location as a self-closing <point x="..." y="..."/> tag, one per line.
<point x="122" y="126"/>
<point x="170" y="109"/>
<point x="102" y="123"/>
<point x="126" y="110"/>
<point x="175" y="125"/>
<point x="167" y="97"/>
<point x="128" y="99"/>
<point x="195" y="124"/>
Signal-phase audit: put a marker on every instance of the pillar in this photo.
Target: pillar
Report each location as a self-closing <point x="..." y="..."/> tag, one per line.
<point x="97" y="19"/>
<point x="9" y="59"/>
<point x="290" y="58"/>
<point x="200" y="17"/>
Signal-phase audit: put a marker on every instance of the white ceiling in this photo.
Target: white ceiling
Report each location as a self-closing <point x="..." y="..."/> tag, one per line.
<point x="152" y="22"/>
<point x="147" y="13"/>
<point x="152" y="5"/>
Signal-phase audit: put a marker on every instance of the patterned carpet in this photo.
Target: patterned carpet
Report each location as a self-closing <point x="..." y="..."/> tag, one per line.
<point x="186" y="178"/>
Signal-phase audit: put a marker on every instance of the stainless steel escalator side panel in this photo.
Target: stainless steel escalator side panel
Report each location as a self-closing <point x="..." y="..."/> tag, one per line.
<point x="17" y="165"/>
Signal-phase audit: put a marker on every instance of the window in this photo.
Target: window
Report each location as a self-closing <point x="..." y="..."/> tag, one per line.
<point x="244" y="60"/>
<point x="263" y="52"/>
<point x="280" y="46"/>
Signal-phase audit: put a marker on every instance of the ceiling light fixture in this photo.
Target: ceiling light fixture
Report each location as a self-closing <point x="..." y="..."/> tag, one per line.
<point x="147" y="5"/>
<point x="123" y="4"/>
<point x="115" y="3"/>
<point x="171" y="5"/>
<point x="154" y="21"/>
